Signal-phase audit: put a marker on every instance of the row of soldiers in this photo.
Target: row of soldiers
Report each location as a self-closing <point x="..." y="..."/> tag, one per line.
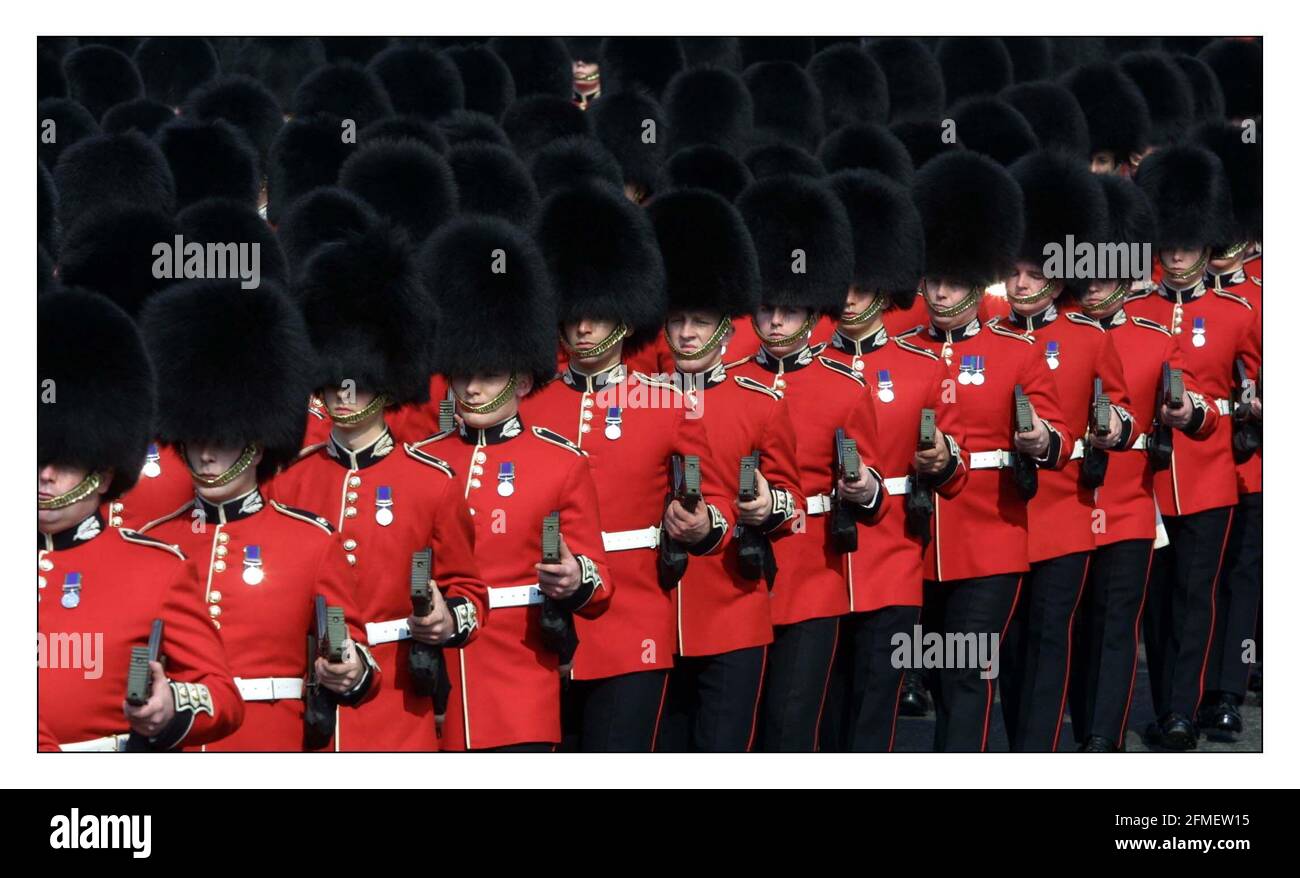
<point x="587" y="424"/>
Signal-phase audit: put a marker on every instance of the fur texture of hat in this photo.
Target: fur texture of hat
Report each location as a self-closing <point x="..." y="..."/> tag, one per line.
<point x="1207" y="94"/>
<point x="405" y="182"/>
<point x="419" y="81"/>
<point x="307" y="152"/>
<point x="914" y="78"/>
<point x="491" y="180"/>
<point x="224" y="221"/>
<point x="1167" y="92"/>
<point x="99" y="77"/>
<point x="243" y="102"/>
<point x="280" y="64"/>
<point x="1239" y="65"/>
<point x="868" y="146"/>
<point x="402" y="127"/>
<point x="1061" y="198"/>
<point x="993" y="127"/>
<point x="572" y="161"/>
<point x="346" y="90"/>
<point x="142" y="114"/>
<point x="489" y="87"/>
<point x="619" y="120"/>
<point x="787" y="105"/>
<point x="888" y="239"/>
<point x="852" y="86"/>
<point x="641" y="63"/>
<point x="709" y="258"/>
<point x="110" y="250"/>
<point x="209" y="160"/>
<point x="172" y="67"/>
<point x="324" y="214"/>
<point x="72" y="123"/>
<point x="535" y="121"/>
<point x="538" y="65"/>
<point x="709" y="105"/>
<point x="774" y="159"/>
<point x="465" y="126"/>
<point x="1191" y="197"/>
<point x="1118" y="120"/>
<point x="113" y="168"/>
<point x="973" y="66"/>
<point x="706" y="167"/>
<point x="1243" y="163"/>
<point x="1130" y="218"/>
<point x="972" y="212"/>
<point x="1054" y="114"/>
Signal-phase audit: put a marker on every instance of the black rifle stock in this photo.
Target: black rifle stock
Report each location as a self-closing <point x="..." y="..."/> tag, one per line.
<point x="685" y="490"/>
<point x="1160" y="447"/>
<point x="1024" y="468"/>
<point x="558" y="631"/>
<point x="139" y="676"/>
<point x="1092" y="470"/>
<point x="920" y="501"/>
<point x="319" y="704"/>
<point x="754" y="553"/>
<point x="848" y="467"/>
<point x="424" y="660"/>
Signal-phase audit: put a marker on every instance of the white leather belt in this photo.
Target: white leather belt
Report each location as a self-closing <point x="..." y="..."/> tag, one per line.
<point x="819" y="504"/>
<point x="1225" y="406"/>
<point x="990" y="459"/>
<point x="387" y="632"/>
<point x="622" y="540"/>
<point x="269" y="688"/>
<point x="514" y="596"/>
<point x="107" y="744"/>
<point x="1140" y="442"/>
<point x="901" y="485"/>
<point x="1076" y="453"/>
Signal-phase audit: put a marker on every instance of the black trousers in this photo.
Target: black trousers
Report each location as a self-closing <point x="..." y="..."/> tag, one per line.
<point x="617" y="714"/>
<point x="1238" y="603"/>
<point x="1106" y="640"/>
<point x="866" y="682"/>
<point x="535" y="747"/>
<point x="712" y="704"/>
<point x="1036" y="653"/>
<point x="1178" y="624"/>
<point x="963" y="699"/>
<point x="798" y="672"/>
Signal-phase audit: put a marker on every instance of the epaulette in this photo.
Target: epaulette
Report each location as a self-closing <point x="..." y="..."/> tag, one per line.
<point x="1149" y="324"/>
<point x="147" y="526"/>
<point x="303" y="515"/>
<point x="134" y="536"/>
<point x="549" y="435"/>
<point x="751" y="384"/>
<point x="818" y="348"/>
<point x="734" y="363"/>
<point x="1134" y="295"/>
<point x="1084" y="320"/>
<point x="1257" y="281"/>
<point x="653" y="382"/>
<point x="900" y="341"/>
<point x="908" y="333"/>
<point x="414" y="452"/>
<point x="842" y="368"/>
<point x="310" y="450"/>
<point x="998" y="329"/>
<point x="1241" y="300"/>
<point x="316" y="408"/>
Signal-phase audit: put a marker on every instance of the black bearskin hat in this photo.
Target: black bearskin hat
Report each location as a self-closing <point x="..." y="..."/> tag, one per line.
<point x="419" y="81"/>
<point x="113" y="168"/>
<point x="345" y="90"/>
<point x="222" y="221"/>
<point x="639" y="64"/>
<point x="1189" y="191"/>
<point x="787" y="105"/>
<point x="1130" y="218"/>
<point x="538" y="65"/>
<point x="280" y="64"/>
<point x="709" y="258"/>
<point x="1118" y="120"/>
<point x="914" y="78"/>
<point x="852" y="86"/>
<point x="404" y="181"/>
<point x="142" y="114"/>
<point x="1244" y="165"/>
<point x="1054" y="114"/>
<point x="491" y="180"/>
<point x="243" y="102"/>
<point x="1239" y="65"/>
<point x="111" y="250"/>
<point x="489" y="87"/>
<point x="72" y="123"/>
<point x="325" y="214"/>
<point x="973" y="66"/>
<point x="210" y="159"/>
<point x="619" y="121"/>
<point x="571" y="161"/>
<point x="535" y="121"/>
<point x="869" y="146"/>
<point x="1166" y="90"/>
<point x="399" y="127"/>
<point x="1207" y="94"/>
<point x="774" y="159"/>
<point x="709" y="105"/>
<point x="707" y="167"/>
<point x="992" y="126"/>
<point x="99" y="77"/>
<point x="888" y="240"/>
<point x="307" y="153"/>
<point x="172" y="67"/>
<point x="467" y="126"/>
<point x="972" y="212"/>
<point x="1060" y="197"/>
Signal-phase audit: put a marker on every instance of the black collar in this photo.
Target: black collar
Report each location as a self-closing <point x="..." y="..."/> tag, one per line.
<point x="584" y="383"/>
<point x="1034" y="321"/>
<point x="970" y="330"/>
<point x="493" y="435"/>
<point x="1119" y="318"/>
<point x="1180" y="296"/>
<point x="790" y="362"/>
<point x="697" y="381"/>
<point x="864" y="345"/>
<point x="82" y="532"/>
<point x="1223" y="281"/>
<point x="232" y="510"/>
<point x="361" y="458"/>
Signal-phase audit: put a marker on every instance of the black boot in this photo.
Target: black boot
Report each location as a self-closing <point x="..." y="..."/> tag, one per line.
<point x="1098" y="744"/>
<point x="1177" y="732"/>
<point x="914" y="701"/>
<point x="1220" y="718"/>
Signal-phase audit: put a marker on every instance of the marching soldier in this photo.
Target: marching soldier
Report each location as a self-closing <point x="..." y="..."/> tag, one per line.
<point x="96" y="402"/>
<point x="889" y="257"/>
<point x="505" y="686"/>
<point x="805" y="253"/>
<point x="609" y="281"/>
<point x="1196" y="495"/>
<point x="367" y="315"/>
<point x="230" y="397"/>
<point x="1106" y="633"/>
<point x="724" y="620"/>
<point x="971" y="211"/>
<point x="1062" y="201"/>
<point x="1119" y="123"/>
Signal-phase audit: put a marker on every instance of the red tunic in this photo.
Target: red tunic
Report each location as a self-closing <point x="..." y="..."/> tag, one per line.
<point x="127" y="581"/>
<point x="1077" y="349"/>
<point x="718" y="610"/>
<point x="745" y="342"/>
<point x="629" y="453"/>
<point x="164" y="484"/>
<point x="264" y="624"/>
<point x="823" y="394"/>
<point x="1203" y="474"/>
<point x="506" y="684"/>
<point x="424" y="509"/>
<point x="903" y="379"/>
<point x="983" y="531"/>
<point x="1250" y="286"/>
<point x="1127" y="499"/>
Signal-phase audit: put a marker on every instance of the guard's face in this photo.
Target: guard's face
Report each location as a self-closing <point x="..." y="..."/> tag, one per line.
<point x="691" y="330"/>
<point x="346" y="400"/>
<point x="210" y="460"/>
<point x="945" y="294"/>
<point x="586" y="76"/>
<point x="1097" y="292"/>
<point x="54" y="480"/>
<point x="1103" y="162"/>
<point x="781" y="322"/>
<point x="857" y="302"/>
<point x="585" y="334"/>
<point x="1028" y="280"/>
<point x="1179" y="259"/>
<point x="477" y="390"/>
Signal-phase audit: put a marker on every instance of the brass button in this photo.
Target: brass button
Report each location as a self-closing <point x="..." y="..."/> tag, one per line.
<point x="780" y="382"/>
<point x="349" y="544"/>
<point x="352" y="496"/>
<point x="476" y="470"/>
<point x="586" y="428"/>
<point x="115" y="521"/>
<point x="116" y="507"/>
<point x="46" y="564"/>
<point x="586" y="416"/>
<point x="475" y="483"/>
<point x="354" y="482"/>
<point x="223" y="537"/>
<point x="352" y="559"/>
<point x="40" y="581"/>
<point x="472" y="512"/>
<point x="350" y="512"/>
<point x="219" y="566"/>
<point x="221" y="551"/>
<point x="215" y="597"/>
<point x="214" y="611"/>
<point x="588" y="403"/>
<point x="480" y="457"/>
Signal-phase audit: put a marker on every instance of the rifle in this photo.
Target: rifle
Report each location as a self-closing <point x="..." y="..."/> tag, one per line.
<point x="446" y="416"/>
<point x="920" y="502"/>
<point x="685" y="490"/>
<point x="557" y="626"/>
<point x="1024" y="468"/>
<point x="326" y="642"/>
<point x="424" y="660"/>
<point x="139" y="676"/>
<point x="848" y="467"/>
<point x="1160" y="450"/>
<point x="1092" y="472"/>
<point x="1247" y="435"/>
<point x="754" y="556"/>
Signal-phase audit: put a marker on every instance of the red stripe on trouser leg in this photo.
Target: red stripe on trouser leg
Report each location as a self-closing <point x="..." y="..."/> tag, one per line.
<point x="1069" y="651"/>
<point x="1214" y="596"/>
<point x="988" y="704"/>
<point x="817" y="729"/>
<point x="1137" y="635"/>
<point x="758" y="699"/>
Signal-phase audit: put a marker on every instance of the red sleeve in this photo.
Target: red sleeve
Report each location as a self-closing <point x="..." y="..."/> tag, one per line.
<point x="1110" y="369"/>
<point x="1040" y="386"/>
<point x="692" y="437"/>
<point x="780" y="466"/>
<point x="455" y="569"/>
<point x="580" y="526"/>
<point x="948" y="418"/>
<point x="195" y="654"/>
<point x="336" y="581"/>
<point x="861" y="427"/>
<point x="1210" y="411"/>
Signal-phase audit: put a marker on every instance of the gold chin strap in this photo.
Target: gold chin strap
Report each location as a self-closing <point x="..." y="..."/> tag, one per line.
<point x="1232" y="252"/>
<point x="495" y="402"/>
<point x="713" y="342"/>
<point x="236" y="469"/>
<point x="1121" y="290"/>
<point x="971" y="298"/>
<point x="799" y="333"/>
<point x="599" y="350"/>
<point x="376" y="404"/>
<point x="1195" y="271"/>
<point x="872" y="312"/>
<point x="87" y="486"/>
<point x="1050" y="288"/>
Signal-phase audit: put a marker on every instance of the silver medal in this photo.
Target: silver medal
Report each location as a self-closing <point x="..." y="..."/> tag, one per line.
<point x="151" y="470"/>
<point x="977" y="379"/>
<point x="613" y="431"/>
<point x="253" y="575"/>
<point x="886" y="395"/>
<point x="964" y="378"/>
<point x="505" y="489"/>
<point x="384" y="516"/>
<point x="1198" y="341"/>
